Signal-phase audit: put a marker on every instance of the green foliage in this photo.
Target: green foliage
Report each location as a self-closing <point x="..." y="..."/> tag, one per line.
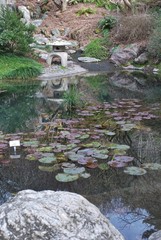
<point x="15" y="36"/>
<point x="72" y="99"/>
<point x="86" y="11"/>
<point x="154" y="44"/>
<point x="13" y="67"/>
<point x="97" y="49"/>
<point x="107" y="22"/>
<point x="100" y="3"/>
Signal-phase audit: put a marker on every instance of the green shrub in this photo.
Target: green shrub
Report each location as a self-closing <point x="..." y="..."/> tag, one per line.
<point x="154" y="44"/>
<point x="86" y="11"/>
<point x="15" y="36"/>
<point x="97" y="49"/>
<point x="14" y="67"/>
<point x="107" y="22"/>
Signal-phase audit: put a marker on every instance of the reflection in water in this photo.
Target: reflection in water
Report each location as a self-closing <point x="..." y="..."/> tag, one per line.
<point x="132" y="203"/>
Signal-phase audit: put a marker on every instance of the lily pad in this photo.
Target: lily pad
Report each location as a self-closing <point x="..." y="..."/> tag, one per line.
<point x="75" y="170"/>
<point x="74" y="157"/>
<point x="67" y="165"/>
<point x="84" y="136"/>
<point x="63" y="177"/>
<point x="151" y="166"/>
<point x="136" y="171"/>
<point x="45" y="149"/>
<point x="118" y="146"/>
<point x="103" y="166"/>
<point x="85" y="175"/>
<point x="31" y="143"/>
<point x="123" y="158"/>
<point x="31" y="157"/>
<point x="117" y="164"/>
<point x="92" y="144"/>
<point x="47" y="160"/>
<point x="49" y="169"/>
<point x="127" y="127"/>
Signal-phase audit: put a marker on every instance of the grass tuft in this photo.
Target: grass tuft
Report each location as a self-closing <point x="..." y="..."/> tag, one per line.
<point x="15" y="67"/>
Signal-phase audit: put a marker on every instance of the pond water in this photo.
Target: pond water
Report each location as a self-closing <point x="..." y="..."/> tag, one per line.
<point x="119" y="127"/>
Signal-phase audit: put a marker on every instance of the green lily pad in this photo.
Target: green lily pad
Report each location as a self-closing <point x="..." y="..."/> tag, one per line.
<point x="127" y="127"/>
<point x="99" y="155"/>
<point x="74" y="157"/>
<point x="136" y="171"/>
<point x="73" y="171"/>
<point x="71" y="146"/>
<point x="31" y="157"/>
<point x="68" y="165"/>
<point x="92" y="145"/>
<point x="103" y="166"/>
<point x="31" y="143"/>
<point x="49" y="169"/>
<point x="45" y="149"/>
<point x="84" y="136"/>
<point x="118" y="146"/>
<point x="108" y="133"/>
<point x="47" y="160"/>
<point x="63" y="177"/>
<point x="152" y="166"/>
<point x="85" y="175"/>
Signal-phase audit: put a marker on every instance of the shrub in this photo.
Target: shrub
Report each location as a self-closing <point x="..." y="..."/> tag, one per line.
<point x="154" y="44"/>
<point x="133" y="28"/>
<point x="86" y="11"/>
<point x="97" y="49"/>
<point x="15" y="36"/>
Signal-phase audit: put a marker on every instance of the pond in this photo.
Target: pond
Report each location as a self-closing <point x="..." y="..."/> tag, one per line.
<point x="109" y="150"/>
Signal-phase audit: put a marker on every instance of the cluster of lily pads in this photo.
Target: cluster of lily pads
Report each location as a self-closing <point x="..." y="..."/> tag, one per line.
<point x="72" y="147"/>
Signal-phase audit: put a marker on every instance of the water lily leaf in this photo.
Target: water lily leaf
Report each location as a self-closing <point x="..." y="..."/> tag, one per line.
<point x="5" y="161"/>
<point x="136" y="171"/>
<point x="75" y="170"/>
<point x="47" y="160"/>
<point x="99" y="155"/>
<point x="45" y="149"/>
<point x="3" y="146"/>
<point x="117" y="164"/>
<point x="32" y="157"/>
<point x="31" y="143"/>
<point x="118" y="152"/>
<point x="67" y="165"/>
<point x="127" y="127"/>
<point x="103" y="166"/>
<point x="84" y="136"/>
<point x="86" y="160"/>
<point x="85" y="175"/>
<point x="123" y="158"/>
<point x="118" y="146"/>
<point x="92" y="165"/>
<point x="71" y="146"/>
<point x="74" y="157"/>
<point x="63" y="177"/>
<point x="92" y="144"/>
<point x="151" y="166"/>
<point x="49" y="169"/>
<point x="86" y="151"/>
<point x="108" y="133"/>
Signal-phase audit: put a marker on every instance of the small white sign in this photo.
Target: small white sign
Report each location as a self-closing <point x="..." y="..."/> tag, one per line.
<point x="14" y="143"/>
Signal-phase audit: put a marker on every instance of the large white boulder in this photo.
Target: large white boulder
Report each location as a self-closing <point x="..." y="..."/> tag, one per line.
<point x="50" y="215"/>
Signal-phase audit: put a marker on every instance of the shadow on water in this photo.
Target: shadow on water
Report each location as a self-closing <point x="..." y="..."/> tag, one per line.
<point x="132" y="203"/>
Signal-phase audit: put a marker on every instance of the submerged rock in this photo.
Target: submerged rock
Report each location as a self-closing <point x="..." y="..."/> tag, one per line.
<point x="49" y="215"/>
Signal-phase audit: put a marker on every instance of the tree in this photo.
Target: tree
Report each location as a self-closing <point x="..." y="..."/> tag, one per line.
<point x="15" y="36"/>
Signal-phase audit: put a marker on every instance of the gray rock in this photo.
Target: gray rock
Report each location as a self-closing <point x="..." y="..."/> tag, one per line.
<point x="55" y="32"/>
<point x="143" y="58"/>
<point x="155" y="236"/>
<point x="26" y="14"/>
<point x="122" y="55"/>
<point x="49" y="215"/>
<point x="40" y="39"/>
<point x="37" y="22"/>
<point x="88" y="59"/>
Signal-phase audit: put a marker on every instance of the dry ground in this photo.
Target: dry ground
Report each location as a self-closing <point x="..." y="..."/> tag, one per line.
<point x="81" y="28"/>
